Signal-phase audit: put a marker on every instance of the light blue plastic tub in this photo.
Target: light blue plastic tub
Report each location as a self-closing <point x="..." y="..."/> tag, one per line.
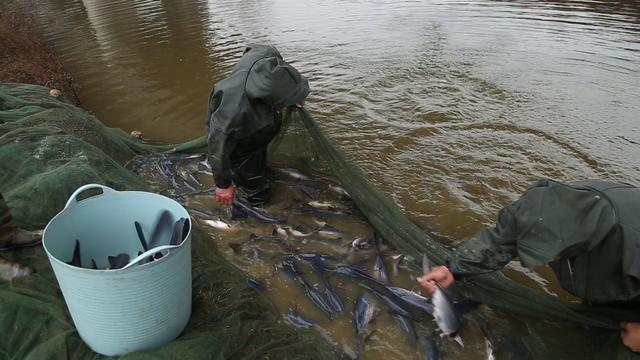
<point x="138" y="307"/>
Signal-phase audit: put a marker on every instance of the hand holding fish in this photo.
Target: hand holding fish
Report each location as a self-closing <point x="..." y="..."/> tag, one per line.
<point x="630" y="335"/>
<point x="225" y="196"/>
<point x="440" y="275"/>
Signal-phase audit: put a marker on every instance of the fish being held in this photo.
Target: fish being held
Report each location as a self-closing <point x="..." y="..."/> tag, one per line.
<point x="444" y="310"/>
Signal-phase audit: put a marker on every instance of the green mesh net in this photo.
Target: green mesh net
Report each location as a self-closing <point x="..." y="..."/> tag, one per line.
<point x="48" y="148"/>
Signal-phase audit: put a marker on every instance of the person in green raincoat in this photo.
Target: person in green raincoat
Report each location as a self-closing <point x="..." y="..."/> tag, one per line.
<point x="244" y="115"/>
<point x="11" y="238"/>
<point x="587" y="231"/>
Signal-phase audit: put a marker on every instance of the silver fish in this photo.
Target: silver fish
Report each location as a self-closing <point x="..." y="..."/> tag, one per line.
<point x="217" y="224"/>
<point x="340" y="191"/>
<point x="329" y="232"/>
<point x="294" y="173"/>
<point x="361" y="243"/>
<point x="323" y="205"/>
<point x="447" y="318"/>
<point x="379" y="269"/>
<point x="281" y="232"/>
<point x="444" y="310"/>
<point x="363" y="313"/>
<point x="297" y="232"/>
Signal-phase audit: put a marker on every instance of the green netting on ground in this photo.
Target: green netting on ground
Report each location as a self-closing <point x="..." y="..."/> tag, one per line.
<point x="48" y="148"/>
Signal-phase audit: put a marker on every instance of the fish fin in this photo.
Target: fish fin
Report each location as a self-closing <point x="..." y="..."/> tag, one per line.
<point x="426" y="264"/>
<point x="141" y="236"/>
<point x="458" y="339"/>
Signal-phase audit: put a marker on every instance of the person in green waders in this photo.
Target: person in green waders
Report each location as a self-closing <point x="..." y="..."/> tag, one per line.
<point x="244" y="115"/>
<point x="587" y="231"/>
<point x="11" y="238"/>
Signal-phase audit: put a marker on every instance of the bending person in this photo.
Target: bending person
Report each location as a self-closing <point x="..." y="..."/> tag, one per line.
<point x="587" y="231"/>
<point x="244" y="115"/>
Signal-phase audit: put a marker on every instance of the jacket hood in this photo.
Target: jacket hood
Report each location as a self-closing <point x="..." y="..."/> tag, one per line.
<point x="273" y="80"/>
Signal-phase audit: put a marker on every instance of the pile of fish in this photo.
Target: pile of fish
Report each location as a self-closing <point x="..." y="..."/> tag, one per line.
<point x="407" y="307"/>
<point x="164" y="227"/>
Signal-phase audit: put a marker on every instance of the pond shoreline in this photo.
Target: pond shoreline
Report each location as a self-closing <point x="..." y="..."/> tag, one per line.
<point x="28" y="58"/>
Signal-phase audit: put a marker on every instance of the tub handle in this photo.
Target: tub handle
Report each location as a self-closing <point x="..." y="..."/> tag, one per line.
<point x="73" y="199"/>
<point x="148" y="253"/>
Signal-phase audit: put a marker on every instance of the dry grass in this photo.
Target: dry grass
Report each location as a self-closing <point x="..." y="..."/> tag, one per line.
<point x="26" y="58"/>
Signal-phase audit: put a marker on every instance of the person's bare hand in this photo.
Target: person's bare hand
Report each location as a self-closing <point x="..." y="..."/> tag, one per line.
<point x="440" y="275"/>
<point x="630" y="335"/>
<point x="225" y="196"/>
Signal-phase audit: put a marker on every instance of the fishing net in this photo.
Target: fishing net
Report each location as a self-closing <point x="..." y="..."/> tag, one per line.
<point x="305" y="145"/>
<point x="48" y="148"/>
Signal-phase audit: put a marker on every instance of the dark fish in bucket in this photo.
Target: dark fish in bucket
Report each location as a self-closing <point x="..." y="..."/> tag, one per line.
<point x="163" y="225"/>
<point x="180" y="231"/>
<point x="119" y="261"/>
<point x="75" y="259"/>
<point x="141" y="236"/>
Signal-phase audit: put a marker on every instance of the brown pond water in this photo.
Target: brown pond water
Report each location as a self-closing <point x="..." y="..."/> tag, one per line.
<point x="450" y="107"/>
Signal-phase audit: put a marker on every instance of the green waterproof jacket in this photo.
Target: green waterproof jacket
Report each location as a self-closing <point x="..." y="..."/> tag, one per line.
<point x="588" y="231"/>
<point x="244" y="108"/>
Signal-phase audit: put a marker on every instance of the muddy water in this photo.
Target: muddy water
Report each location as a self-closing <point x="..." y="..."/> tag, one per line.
<point x="258" y="249"/>
<point x="451" y="107"/>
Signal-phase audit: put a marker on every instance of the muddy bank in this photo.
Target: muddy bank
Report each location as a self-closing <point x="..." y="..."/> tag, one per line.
<point x="26" y="58"/>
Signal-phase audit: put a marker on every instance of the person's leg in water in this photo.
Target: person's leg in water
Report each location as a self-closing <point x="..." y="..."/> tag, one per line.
<point x="12" y="237"/>
<point x="249" y="173"/>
